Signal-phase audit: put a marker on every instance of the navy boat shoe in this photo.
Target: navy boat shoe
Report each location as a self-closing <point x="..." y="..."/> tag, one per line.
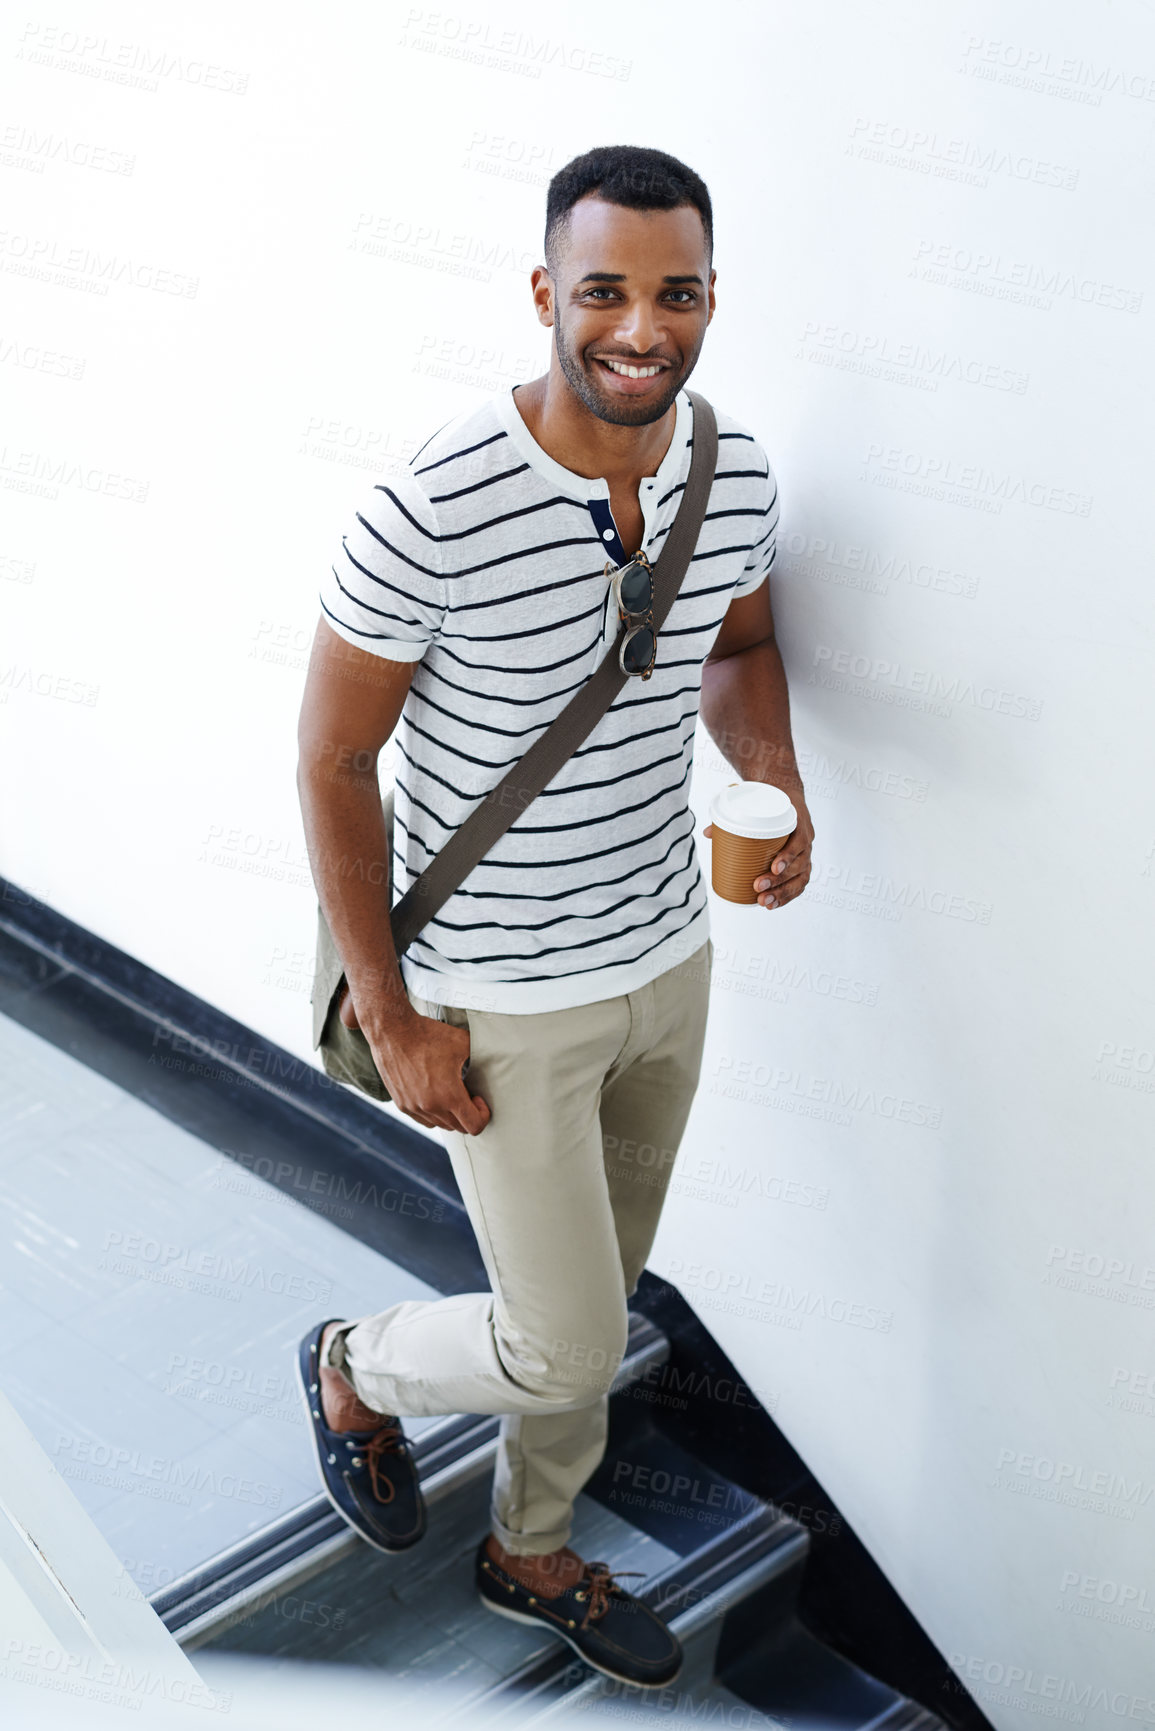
<point x="612" y="1630"/>
<point x="369" y="1476"/>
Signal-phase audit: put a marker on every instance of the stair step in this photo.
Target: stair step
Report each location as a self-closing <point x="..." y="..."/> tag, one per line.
<point x="287" y="1553"/>
<point x="417" y="1621"/>
<point x="693" y="1595"/>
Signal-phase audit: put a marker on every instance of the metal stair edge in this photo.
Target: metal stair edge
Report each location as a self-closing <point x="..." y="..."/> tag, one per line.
<point x="206" y="1601"/>
<point x="906" y="1715"/>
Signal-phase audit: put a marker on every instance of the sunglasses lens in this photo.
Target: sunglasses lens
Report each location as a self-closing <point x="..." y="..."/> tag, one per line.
<point x="637" y="589"/>
<point x="638" y="650"/>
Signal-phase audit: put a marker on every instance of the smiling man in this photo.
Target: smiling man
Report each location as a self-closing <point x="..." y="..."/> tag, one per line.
<point x="570" y="971"/>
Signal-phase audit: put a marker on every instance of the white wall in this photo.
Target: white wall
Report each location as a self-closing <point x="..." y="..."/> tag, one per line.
<point x="927" y="1081"/>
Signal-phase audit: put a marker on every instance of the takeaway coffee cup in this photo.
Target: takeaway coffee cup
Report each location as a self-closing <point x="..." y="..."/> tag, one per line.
<point x="751" y="821"/>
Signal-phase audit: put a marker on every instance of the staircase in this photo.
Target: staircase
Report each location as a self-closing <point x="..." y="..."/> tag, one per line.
<point x="704" y="1497"/>
<point x="309" y="1589"/>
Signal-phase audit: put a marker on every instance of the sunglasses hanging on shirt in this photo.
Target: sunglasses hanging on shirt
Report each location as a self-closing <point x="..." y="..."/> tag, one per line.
<point x="633" y="587"/>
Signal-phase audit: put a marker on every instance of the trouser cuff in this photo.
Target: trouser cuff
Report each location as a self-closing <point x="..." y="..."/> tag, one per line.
<point x="530" y="1544"/>
<point x="334" y="1356"/>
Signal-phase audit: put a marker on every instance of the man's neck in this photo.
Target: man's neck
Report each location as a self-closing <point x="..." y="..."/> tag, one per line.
<point x="574" y="437"/>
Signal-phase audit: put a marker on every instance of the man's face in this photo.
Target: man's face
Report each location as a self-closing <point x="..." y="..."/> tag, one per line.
<point x="634" y="290"/>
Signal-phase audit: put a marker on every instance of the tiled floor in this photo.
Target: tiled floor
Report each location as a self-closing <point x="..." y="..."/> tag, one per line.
<point x="154" y="1294"/>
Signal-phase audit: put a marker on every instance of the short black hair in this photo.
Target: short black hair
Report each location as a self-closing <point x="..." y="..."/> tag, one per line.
<point x="626" y="174"/>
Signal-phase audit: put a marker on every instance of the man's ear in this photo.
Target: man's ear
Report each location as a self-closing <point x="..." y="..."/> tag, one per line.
<point x="710" y="295"/>
<point x="543" y="295"/>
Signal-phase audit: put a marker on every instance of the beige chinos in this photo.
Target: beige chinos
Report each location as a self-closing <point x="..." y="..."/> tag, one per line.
<point x="563" y="1187"/>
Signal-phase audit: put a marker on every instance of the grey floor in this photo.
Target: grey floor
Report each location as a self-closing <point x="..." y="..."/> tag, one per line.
<point x="154" y="1292"/>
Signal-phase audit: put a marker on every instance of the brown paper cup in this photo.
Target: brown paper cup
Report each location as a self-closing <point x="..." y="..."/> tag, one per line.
<point x="737" y="860"/>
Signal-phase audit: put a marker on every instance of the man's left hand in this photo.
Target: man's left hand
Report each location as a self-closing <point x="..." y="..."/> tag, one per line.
<point x="789" y="871"/>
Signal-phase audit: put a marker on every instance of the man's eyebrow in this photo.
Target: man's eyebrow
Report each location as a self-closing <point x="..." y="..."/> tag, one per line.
<point x="610" y="276"/>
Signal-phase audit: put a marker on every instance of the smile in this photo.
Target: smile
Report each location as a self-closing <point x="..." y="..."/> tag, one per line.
<point x="627" y="371"/>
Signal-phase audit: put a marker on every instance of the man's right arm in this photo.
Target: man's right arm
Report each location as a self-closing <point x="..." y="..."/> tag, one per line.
<point x="352" y="703"/>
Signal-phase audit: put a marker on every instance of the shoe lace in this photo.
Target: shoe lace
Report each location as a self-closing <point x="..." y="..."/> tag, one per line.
<point x="382" y="1442"/>
<point x="600" y="1583"/>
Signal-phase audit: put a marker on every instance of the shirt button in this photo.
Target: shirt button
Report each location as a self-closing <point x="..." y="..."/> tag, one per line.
<point x="607" y="534"/>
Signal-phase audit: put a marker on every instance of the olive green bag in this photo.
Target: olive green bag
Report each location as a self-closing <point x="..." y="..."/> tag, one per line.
<point x="345" y="1052"/>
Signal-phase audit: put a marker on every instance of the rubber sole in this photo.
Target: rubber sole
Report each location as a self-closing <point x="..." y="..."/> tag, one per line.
<point x="536" y="1622"/>
<point x="388" y="1550"/>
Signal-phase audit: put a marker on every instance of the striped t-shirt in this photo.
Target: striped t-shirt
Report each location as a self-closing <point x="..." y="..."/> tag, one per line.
<point x="486" y="564"/>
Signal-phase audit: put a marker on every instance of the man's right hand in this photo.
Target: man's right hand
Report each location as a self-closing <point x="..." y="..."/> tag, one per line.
<point x="422" y="1061"/>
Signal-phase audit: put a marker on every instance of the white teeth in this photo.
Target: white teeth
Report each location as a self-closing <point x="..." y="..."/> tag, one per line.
<point x="632" y="372"/>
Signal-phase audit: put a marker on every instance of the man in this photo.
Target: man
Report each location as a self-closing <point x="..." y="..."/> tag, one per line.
<point x="570" y="971"/>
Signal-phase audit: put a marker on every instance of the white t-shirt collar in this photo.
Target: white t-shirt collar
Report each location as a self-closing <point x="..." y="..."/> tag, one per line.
<point x="580" y="486"/>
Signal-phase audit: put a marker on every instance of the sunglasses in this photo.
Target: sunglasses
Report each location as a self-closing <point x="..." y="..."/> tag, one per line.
<point x="633" y="588"/>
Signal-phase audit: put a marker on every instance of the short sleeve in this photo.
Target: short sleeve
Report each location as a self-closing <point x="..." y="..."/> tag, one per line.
<point x="385" y="591"/>
<point x="765" y="525"/>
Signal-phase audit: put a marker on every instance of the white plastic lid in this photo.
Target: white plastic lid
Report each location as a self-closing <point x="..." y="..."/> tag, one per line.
<point x="753" y="809"/>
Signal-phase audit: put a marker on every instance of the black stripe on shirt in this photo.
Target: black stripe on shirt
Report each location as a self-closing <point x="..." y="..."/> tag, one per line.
<point x="454" y="455"/>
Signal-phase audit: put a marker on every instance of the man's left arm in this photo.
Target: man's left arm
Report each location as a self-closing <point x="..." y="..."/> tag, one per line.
<point x="746" y="708"/>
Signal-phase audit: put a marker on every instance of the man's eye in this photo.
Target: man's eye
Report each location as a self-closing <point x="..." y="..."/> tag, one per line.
<point x="688" y="293"/>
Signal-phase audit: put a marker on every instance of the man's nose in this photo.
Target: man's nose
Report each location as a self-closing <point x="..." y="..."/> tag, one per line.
<point x="640" y="328"/>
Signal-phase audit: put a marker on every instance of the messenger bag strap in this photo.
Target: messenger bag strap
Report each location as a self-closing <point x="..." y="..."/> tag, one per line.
<point x="488" y="822"/>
